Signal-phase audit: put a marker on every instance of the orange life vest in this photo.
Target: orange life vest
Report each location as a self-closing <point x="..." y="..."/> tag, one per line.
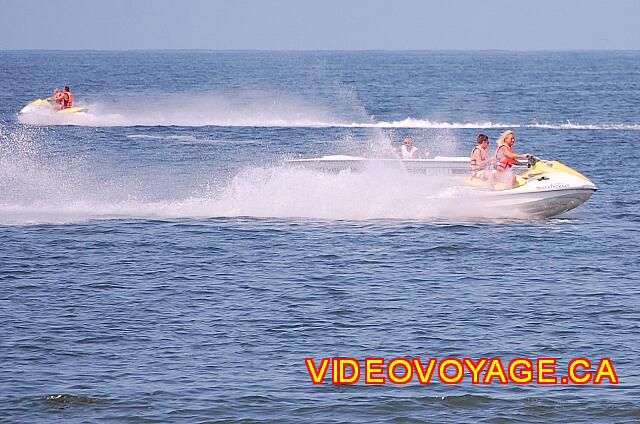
<point x="504" y="162"/>
<point x="67" y="101"/>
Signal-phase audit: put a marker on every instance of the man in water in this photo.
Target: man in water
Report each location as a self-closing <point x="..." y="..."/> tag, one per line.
<point x="479" y="160"/>
<point x="408" y="150"/>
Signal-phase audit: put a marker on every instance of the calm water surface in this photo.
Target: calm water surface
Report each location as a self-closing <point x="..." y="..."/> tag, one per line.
<point x="159" y="263"/>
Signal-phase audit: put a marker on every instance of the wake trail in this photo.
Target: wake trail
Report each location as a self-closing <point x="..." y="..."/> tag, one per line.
<point x="96" y="118"/>
<point x="264" y="110"/>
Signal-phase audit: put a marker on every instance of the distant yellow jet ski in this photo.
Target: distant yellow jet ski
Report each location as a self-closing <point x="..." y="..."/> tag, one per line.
<point x="46" y="103"/>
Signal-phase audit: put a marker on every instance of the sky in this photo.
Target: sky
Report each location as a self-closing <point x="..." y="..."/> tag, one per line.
<point x="320" y="24"/>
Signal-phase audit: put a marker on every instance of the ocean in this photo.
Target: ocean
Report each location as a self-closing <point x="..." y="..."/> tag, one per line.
<point x="159" y="262"/>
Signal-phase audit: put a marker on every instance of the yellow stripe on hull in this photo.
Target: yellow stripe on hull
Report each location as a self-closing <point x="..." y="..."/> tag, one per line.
<point x="46" y="103"/>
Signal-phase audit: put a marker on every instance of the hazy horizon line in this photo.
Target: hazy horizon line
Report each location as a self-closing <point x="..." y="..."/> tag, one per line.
<point x="322" y="50"/>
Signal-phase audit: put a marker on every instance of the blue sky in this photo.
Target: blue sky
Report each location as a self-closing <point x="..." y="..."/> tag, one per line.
<point x="320" y="25"/>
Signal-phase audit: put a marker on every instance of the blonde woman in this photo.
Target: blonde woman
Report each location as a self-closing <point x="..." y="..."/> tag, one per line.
<point x="505" y="157"/>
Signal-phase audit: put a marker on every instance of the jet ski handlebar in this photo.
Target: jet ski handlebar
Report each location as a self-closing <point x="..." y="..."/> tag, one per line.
<point x="531" y="161"/>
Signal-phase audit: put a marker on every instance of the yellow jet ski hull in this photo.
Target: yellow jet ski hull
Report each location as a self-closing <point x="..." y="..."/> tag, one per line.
<point x="546" y="189"/>
<point x="40" y="103"/>
<point x="540" y="168"/>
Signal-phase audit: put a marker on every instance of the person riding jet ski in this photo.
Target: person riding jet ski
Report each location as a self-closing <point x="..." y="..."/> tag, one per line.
<point x="62" y="101"/>
<point x="479" y="163"/>
<point x="505" y="158"/>
<point x="57" y="97"/>
<point x="67" y="98"/>
<point x="408" y="150"/>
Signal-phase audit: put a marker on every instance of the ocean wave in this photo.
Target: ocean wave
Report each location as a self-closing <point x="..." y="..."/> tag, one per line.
<point x="256" y="109"/>
<point x="425" y="123"/>
<point x="162" y="137"/>
<point x="99" y="117"/>
<point x="263" y="109"/>
<point x="69" y="398"/>
<point x="576" y="126"/>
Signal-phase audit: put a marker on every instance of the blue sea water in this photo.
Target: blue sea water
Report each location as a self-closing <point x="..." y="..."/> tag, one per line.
<point x="158" y="263"/>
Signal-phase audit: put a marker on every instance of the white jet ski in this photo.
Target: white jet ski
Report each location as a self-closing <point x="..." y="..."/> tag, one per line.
<point x="543" y="189"/>
<point x="440" y="165"/>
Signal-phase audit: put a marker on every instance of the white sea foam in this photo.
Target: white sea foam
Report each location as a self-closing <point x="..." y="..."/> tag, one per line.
<point x="101" y="115"/>
<point x="576" y="126"/>
<point x="39" y="188"/>
<point x="262" y="109"/>
<point x="426" y="123"/>
<point x="257" y="192"/>
<point x="277" y="192"/>
<point x="239" y="110"/>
